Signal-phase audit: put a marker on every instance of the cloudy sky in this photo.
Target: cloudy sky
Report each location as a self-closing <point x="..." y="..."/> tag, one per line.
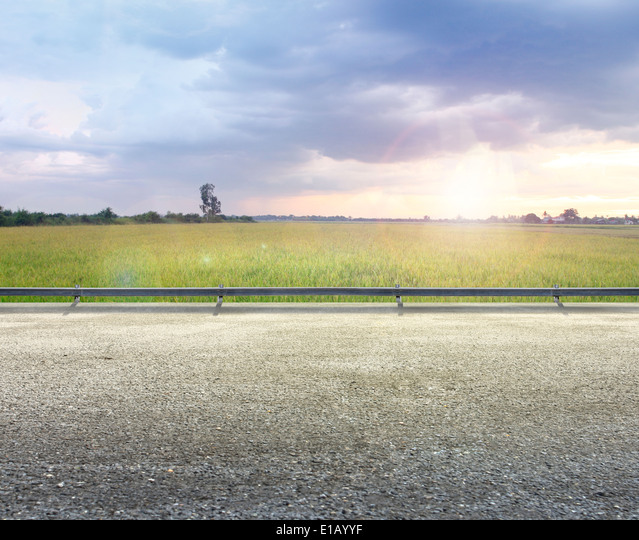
<point x="376" y="108"/>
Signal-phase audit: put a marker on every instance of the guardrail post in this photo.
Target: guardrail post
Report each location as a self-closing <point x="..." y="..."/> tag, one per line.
<point x="398" y="298"/>
<point x="76" y="298"/>
<point x="220" y="296"/>
<point x="556" y="297"/>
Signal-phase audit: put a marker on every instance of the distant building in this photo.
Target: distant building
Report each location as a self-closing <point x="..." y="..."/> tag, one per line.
<point x="547" y="218"/>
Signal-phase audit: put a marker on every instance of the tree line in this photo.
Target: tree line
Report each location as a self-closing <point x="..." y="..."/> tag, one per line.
<point x="211" y="208"/>
<point x="21" y="217"/>
<point x="211" y="214"/>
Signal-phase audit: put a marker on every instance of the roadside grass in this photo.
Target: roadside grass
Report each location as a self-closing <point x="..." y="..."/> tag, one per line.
<point x="319" y="255"/>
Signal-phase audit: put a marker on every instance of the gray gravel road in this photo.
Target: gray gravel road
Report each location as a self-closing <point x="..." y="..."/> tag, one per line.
<point x="319" y="411"/>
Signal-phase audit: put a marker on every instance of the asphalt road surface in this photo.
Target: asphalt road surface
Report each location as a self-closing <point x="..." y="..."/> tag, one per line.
<point x="319" y="411"/>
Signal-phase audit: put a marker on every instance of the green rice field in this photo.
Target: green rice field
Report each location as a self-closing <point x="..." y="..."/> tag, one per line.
<point x="319" y="255"/>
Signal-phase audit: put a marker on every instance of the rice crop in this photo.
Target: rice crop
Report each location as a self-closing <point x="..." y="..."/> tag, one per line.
<point x="318" y="255"/>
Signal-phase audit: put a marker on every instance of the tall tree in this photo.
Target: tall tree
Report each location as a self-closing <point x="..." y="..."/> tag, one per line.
<point x="107" y="215"/>
<point x="210" y="206"/>
<point x="532" y="218"/>
<point x="571" y="215"/>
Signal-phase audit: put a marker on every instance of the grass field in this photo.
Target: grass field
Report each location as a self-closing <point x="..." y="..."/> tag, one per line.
<point x="318" y="254"/>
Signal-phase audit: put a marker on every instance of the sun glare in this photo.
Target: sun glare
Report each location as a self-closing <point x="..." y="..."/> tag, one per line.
<point x="465" y="197"/>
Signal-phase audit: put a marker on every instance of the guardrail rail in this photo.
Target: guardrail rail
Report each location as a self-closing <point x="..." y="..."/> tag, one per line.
<point x="398" y="292"/>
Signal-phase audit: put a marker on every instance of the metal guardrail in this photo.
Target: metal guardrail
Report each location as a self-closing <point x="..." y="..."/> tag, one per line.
<point x="398" y="292"/>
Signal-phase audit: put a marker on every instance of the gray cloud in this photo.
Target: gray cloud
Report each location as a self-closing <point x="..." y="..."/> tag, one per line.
<point x="180" y="92"/>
